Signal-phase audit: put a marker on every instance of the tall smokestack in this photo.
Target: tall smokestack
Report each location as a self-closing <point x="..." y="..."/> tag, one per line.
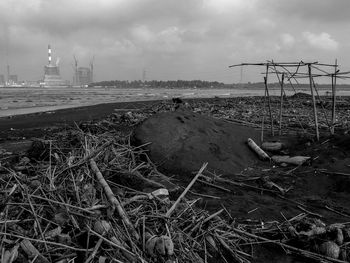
<point x="49" y="47"/>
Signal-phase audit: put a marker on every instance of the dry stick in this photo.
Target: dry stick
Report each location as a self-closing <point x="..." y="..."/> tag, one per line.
<point x="334" y="83"/>
<point x="43" y="241"/>
<point x="113" y="200"/>
<point x="171" y="210"/>
<point x="110" y="242"/>
<point x="281" y="104"/>
<point x="63" y="204"/>
<point x="94" y="252"/>
<point x="308" y="212"/>
<point x="32" y="210"/>
<point x="281" y="99"/>
<point x="290" y="82"/>
<point x="333" y="105"/>
<point x="213" y="215"/>
<point x="335" y="173"/>
<point x="322" y="107"/>
<point x="204" y="195"/>
<point x="143" y="233"/>
<point x="269" y="100"/>
<point x="89" y="156"/>
<point x="215" y="186"/>
<point x="263" y="118"/>
<point x="32" y="251"/>
<point x="227" y="181"/>
<point x="305" y="253"/>
<point x="337" y="212"/>
<point x="314" y="103"/>
<point x="37" y="221"/>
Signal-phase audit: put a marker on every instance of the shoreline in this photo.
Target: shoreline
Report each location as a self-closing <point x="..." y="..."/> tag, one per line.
<point x="19" y="101"/>
<point x="37" y="124"/>
<point x="18" y="124"/>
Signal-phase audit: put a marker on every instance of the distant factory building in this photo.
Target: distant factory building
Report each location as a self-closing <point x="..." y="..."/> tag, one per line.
<point x="2" y="80"/>
<point x="52" y="75"/>
<point x="13" y="79"/>
<point x="83" y="75"/>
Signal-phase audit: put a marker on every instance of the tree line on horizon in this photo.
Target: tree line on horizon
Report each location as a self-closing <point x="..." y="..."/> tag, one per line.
<point x="201" y="84"/>
<point x="162" y="84"/>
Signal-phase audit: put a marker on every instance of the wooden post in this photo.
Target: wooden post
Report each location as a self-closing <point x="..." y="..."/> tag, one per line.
<point x="268" y="98"/>
<point x="334" y="83"/>
<point x="281" y="104"/>
<point x="263" y="118"/>
<point x="314" y="103"/>
<point x="264" y="113"/>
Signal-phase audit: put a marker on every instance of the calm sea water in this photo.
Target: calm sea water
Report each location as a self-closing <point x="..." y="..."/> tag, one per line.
<point x="14" y="101"/>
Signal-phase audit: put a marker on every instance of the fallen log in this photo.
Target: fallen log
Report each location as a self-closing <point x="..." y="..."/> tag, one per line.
<point x="272" y="146"/>
<point x="295" y="160"/>
<point x="262" y="155"/>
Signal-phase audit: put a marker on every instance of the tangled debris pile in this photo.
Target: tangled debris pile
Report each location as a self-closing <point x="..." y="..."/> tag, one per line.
<point x="88" y="195"/>
<point x="56" y="208"/>
<point x="248" y="111"/>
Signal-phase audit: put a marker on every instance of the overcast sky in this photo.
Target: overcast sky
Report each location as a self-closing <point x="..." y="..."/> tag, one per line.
<point x="171" y="39"/>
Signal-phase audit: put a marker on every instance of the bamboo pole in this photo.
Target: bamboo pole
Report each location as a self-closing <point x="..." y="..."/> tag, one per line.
<point x="173" y="207"/>
<point x="260" y="152"/>
<point x="270" y="110"/>
<point x="322" y="107"/>
<point x="334" y="81"/>
<point x="281" y="104"/>
<point x="263" y="118"/>
<point x="113" y="200"/>
<point x="281" y="82"/>
<point x="269" y="98"/>
<point x="314" y="103"/>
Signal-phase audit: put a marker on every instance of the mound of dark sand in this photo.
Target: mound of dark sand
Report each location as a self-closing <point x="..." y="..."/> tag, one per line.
<point x="182" y="141"/>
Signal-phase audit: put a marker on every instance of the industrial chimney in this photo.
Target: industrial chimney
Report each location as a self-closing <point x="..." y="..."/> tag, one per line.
<point x="52" y="77"/>
<point x="49" y="48"/>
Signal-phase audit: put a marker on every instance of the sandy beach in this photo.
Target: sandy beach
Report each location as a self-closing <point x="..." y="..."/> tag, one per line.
<point x="266" y="193"/>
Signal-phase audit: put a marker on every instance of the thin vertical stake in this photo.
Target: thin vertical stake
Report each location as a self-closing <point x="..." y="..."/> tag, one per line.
<point x="314" y="103"/>
<point x="281" y="105"/>
<point x="263" y="117"/>
<point x="268" y="97"/>
<point x="334" y="92"/>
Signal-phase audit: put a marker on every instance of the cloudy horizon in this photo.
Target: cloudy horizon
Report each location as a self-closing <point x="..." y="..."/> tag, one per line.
<point x="170" y="40"/>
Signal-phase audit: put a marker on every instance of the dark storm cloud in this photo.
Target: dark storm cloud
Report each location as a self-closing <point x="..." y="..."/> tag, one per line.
<point x="170" y="38"/>
<point x="67" y="17"/>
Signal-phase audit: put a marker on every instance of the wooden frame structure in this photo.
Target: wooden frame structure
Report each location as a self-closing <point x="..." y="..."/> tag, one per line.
<point x="291" y="72"/>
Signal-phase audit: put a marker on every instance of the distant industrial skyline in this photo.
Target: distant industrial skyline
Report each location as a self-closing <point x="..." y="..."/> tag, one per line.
<point x="170" y="40"/>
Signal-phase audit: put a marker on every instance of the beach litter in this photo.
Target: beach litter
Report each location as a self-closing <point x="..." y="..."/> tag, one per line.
<point x="61" y="202"/>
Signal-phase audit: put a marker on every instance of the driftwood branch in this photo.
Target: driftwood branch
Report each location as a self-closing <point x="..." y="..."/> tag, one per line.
<point x="113" y="200"/>
<point x="171" y="210"/>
